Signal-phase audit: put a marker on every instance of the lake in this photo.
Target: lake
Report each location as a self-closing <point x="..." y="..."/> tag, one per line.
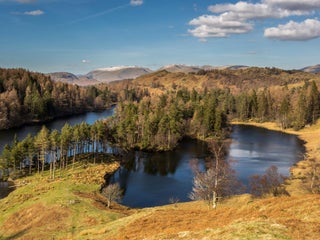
<point x="152" y="179"/>
<point x="254" y="149"/>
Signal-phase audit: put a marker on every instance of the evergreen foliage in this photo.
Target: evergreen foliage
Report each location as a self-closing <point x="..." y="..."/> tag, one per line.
<point x="32" y="97"/>
<point x="161" y="122"/>
<point x="44" y="150"/>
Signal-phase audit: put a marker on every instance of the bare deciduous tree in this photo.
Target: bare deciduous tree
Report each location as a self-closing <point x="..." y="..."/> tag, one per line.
<point x="113" y="193"/>
<point x="268" y="183"/>
<point x="219" y="180"/>
<point x="313" y="177"/>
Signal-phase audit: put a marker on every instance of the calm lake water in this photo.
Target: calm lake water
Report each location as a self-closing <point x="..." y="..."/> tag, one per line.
<point x="254" y="149"/>
<point x="152" y="179"/>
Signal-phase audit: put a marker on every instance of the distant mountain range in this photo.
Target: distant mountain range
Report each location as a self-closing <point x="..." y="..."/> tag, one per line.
<point x="110" y="74"/>
<point x="101" y="75"/>
<point x="117" y="73"/>
<point x="312" y="69"/>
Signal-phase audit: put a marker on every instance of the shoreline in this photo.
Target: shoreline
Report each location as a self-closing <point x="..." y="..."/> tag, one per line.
<point x="309" y="135"/>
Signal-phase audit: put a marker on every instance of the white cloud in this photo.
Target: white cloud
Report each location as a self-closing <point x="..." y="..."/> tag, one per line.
<point x="293" y="31"/>
<point x="136" y="2"/>
<point x="248" y="11"/>
<point x="85" y="61"/>
<point x="301" y="5"/>
<point x="34" y="13"/>
<point x="217" y="26"/>
<point x="240" y="17"/>
<point x="19" y="1"/>
<point x="25" y="1"/>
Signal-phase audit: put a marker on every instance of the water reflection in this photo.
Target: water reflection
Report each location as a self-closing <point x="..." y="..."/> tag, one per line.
<point x="255" y="149"/>
<point x="150" y="179"/>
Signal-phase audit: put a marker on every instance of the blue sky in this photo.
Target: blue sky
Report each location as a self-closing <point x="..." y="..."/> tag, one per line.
<point x="80" y="35"/>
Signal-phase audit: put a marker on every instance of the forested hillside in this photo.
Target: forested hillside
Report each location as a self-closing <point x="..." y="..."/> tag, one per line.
<point x="27" y="97"/>
<point x="290" y="98"/>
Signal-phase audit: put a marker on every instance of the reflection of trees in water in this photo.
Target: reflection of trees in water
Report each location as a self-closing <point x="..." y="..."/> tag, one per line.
<point x="162" y="163"/>
<point x="156" y="163"/>
<point x="152" y="163"/>
<point x="149" y="163"/>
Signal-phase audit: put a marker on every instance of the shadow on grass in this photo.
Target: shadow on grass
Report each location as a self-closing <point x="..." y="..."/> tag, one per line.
<point x="14" y="236"/>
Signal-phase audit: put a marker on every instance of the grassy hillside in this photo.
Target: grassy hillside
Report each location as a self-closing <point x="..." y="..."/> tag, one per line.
<point x="41" y="208"/>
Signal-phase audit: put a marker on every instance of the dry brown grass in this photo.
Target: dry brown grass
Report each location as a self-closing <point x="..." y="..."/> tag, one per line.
<point x="47" y="220"/>
<point x="237" y="218"/>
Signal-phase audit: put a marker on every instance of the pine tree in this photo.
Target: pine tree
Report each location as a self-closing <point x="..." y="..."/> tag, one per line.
<point x="43" y="143"/>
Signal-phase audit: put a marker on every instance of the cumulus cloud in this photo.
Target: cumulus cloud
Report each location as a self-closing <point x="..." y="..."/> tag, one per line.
<point x="293" y="31"/>
<point x="248" y="11"/>
<point x="301" y="5"/>
<point x="237" y="18"/>
<point x="217" y="26"/>
<point x="136" y="2"/>
<point x="34" y="13"/>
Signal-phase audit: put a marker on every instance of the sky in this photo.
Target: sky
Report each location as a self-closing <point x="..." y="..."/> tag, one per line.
<point x="81" y="35"/>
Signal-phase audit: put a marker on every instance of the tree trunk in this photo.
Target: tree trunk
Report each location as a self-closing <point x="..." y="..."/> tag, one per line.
<point x="74" y="155"/>
<point x="50" y="170"/>
<point x="30" y="164"/>
<point x="214" y="199"/>
<point x="38" y="163"/>
<point x="43" y="159"/>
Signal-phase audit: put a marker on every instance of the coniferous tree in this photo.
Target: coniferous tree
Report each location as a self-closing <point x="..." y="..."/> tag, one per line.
<point x="54" y="143"/>
<point x="313" y="103"/>
<point x="284" y="113"/>
<point x="42" y="142"/>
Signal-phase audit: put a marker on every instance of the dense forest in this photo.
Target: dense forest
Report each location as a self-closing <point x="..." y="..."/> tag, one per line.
<point x="159" y="122"/>
<point x="293" y="107"/>
<point x="150" y="117"/>
<point x="27" y="97"/>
